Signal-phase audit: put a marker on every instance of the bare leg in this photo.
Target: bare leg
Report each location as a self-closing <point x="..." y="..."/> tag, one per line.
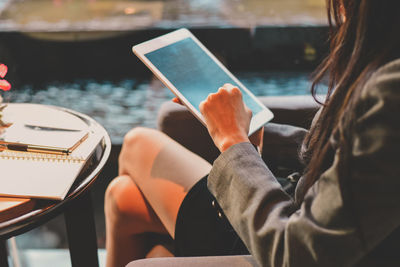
<point x="155" y="175"/>
<point x="128" y="218"/>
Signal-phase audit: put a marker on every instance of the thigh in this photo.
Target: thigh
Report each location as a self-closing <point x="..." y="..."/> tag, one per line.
<point x="162" y="169"/>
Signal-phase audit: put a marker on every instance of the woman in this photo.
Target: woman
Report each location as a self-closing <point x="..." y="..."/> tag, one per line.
<point x="346" y="207"/>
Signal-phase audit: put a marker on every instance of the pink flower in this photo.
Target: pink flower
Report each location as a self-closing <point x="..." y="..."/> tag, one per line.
<point x="4" y="84"/>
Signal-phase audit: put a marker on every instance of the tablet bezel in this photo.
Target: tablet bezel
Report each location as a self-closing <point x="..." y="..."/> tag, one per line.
<point x="258" y="120"/>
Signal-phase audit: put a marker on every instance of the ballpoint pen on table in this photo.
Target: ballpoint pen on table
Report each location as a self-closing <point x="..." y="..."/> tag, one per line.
<point x="34" y="148"/>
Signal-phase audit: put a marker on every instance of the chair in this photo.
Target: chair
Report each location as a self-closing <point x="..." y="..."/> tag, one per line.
<point x="177" y="122"/>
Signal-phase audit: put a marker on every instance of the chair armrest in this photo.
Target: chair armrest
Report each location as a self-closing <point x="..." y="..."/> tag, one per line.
<point x="296" y="110"/>
<point x="220" y="261"/>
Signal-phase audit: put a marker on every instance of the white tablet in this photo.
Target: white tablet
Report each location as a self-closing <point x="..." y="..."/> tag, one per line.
<point x="191" y="72"/>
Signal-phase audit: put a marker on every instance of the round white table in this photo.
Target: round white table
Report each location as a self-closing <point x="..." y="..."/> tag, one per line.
<point x="77" y="206"/>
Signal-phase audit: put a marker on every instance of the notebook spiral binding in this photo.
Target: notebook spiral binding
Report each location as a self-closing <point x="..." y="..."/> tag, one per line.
<point x="17" y="155"/>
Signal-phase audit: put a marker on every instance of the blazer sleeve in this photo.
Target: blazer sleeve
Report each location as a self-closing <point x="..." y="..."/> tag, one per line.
<point x="339" y="220"/>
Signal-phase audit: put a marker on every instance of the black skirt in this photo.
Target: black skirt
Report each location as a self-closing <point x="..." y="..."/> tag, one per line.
<point x="202" y="228"/>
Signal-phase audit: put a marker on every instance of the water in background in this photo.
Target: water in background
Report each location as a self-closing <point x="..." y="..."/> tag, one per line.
<point x="121" y="105"/>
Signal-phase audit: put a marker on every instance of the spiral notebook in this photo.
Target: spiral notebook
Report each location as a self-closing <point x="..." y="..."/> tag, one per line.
<point x="39" y="175"/>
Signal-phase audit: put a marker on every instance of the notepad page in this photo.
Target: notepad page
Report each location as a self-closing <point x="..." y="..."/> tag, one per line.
<point x="37" y="178"/>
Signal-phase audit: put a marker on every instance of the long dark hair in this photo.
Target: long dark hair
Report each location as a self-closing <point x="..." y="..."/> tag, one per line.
<point x="364" y="34"/>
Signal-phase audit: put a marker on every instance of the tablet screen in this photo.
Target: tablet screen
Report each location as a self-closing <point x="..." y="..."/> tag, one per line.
<point x="193" y="72"/>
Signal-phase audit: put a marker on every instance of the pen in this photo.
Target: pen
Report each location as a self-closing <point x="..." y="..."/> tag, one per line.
<point x="34" y="148"/>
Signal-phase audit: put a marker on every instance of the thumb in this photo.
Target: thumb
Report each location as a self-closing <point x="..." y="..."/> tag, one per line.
<point x="177" y="101"/>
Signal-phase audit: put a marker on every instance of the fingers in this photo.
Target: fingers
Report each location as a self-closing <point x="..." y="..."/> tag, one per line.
<point x="177" y="101"/>
<point x="223" y="91"/>
<point x="235" y="91"/>
<point x="203" y="106"/>
<point x="214" y="97"/>
<point x="231" y="88"/>
<point x="226" y="91"/>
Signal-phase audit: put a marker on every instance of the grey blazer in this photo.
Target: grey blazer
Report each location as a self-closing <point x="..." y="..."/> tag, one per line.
<point x="337" y="223"/>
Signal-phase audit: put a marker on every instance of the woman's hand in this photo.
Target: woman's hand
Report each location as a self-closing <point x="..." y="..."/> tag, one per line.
<point x="256" y="138"/>
<point x="227" y="117"/>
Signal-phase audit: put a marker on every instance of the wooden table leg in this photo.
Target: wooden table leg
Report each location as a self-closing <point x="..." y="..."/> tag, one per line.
<point x="3" y="253"/>
<point x="81" y="231"/>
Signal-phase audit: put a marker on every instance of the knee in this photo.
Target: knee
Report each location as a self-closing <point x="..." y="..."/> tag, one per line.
<point x="118" y="200"/>
<point x="136" y="141"/>
<point x="126" y="209"/>
<point x="110" y="198"/>
<point x="137" y="136"/>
